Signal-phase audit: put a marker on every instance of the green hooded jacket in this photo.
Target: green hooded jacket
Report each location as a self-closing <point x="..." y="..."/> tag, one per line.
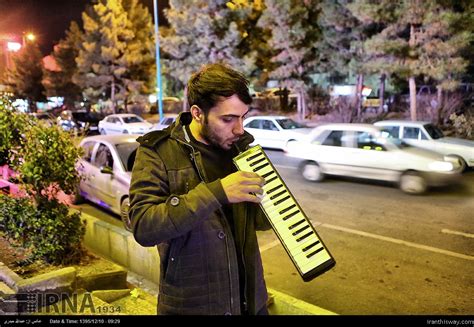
<point x="173" y="207"/>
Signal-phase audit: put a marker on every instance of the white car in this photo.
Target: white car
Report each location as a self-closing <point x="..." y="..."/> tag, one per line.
<point x="124" y="124"/>
<point x="365" y="151"/>
<point x="428" y="136"/>
<point x="167" y="120"/>
<point x="105" y="170"/>
<point x="274" y="131"/>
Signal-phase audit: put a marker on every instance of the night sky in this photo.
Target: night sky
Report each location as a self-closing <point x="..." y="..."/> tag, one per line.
<point x="47" y="19"/>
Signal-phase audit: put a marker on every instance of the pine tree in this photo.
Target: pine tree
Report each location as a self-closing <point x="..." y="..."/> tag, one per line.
<point x="26" y="74"/>
<point x="199" y="33"/>
<point x="60" y="83"/>
<point x="419" y="41"/>
<point x="103" y="60"/>
<point x="294" y="39"/>
<point x="141" y="49"/>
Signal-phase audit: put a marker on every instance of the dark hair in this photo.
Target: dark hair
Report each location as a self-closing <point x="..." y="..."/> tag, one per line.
<point x="213" y="82"/>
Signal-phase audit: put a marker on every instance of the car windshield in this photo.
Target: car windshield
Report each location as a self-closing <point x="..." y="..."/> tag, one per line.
<point x="434" y="131"/>
<point x="289" y="124"/>
<point x="132" y="119"/>
<point x="126" y="152"/>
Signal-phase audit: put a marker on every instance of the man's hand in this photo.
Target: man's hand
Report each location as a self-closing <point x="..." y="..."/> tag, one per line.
<point x="243" y="186"/>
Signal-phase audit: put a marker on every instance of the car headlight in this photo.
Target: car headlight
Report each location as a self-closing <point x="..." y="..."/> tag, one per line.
<point x="441" y="166"/>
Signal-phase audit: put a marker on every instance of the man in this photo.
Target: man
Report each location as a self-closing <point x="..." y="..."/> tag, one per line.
<point x="187" y="197"/>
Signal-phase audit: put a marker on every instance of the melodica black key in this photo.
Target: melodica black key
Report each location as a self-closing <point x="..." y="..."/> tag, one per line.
<point x="293" y="228"/>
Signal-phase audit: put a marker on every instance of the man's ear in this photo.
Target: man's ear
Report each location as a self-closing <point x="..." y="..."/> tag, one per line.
<point x="197" y="113"/>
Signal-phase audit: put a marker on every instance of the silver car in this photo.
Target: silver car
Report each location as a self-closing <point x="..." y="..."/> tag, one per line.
<point x="366" y="151"/>
<point x="427" y="136"/>
<point x="124" y="124"/>
<point x="105" y="170"/>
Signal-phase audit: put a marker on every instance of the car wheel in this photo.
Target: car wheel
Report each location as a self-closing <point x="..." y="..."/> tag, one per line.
<point x="412" y="183"/>
<point x="124" y="208"/>
<point x="311" y="171"/>
<point x="102" y="131"/>
<point x="462" y="164"/>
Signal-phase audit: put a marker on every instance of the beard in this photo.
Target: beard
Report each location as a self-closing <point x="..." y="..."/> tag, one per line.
<point x="212" y="137"/>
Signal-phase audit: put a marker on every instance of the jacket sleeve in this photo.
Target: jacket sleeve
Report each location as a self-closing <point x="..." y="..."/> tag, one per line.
<point x="157" y="215"/>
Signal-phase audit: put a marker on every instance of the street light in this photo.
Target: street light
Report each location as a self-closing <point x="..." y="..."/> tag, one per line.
<point x="30" y="37"/>
<point x="158" y="68"/>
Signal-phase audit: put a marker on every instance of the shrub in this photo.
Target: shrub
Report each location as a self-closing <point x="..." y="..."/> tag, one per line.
<point x="12" y="126"/>
<point x="51" y="234"/>
<point x="463" y="125"/>
<point x="16" y="215"/>
<point x="48" y="162"/>
<point x="44" y="158"/>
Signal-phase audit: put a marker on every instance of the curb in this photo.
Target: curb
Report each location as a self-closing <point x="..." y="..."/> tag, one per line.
<point x="139" y="272"/>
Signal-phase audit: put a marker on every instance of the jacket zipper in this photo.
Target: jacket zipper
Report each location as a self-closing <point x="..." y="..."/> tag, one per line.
<point x="223" y="221"/>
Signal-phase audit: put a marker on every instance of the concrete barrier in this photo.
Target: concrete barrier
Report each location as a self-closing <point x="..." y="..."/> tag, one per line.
<point x="118" y="245"/>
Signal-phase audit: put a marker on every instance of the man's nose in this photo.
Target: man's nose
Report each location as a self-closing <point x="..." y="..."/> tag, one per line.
<point x="238" y="128"/>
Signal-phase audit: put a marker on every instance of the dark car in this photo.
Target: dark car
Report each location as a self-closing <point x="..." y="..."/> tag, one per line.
<point x="80" y="122"/>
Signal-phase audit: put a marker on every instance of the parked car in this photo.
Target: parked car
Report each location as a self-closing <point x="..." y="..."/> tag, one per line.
<point x="167" y="120"/>
<point x="428" y="136"/>
<point x="79" y="122"/>
<point x="124" y="124"/>
<point x="105" y="170"/>
<point x="366" y="151"/>
<point x="274" y="131"/>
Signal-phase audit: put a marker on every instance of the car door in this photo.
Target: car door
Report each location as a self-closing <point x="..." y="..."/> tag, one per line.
<point x="331" y="153"/>
<point x="102" y="186"/>
<point x="416" y="136"/>
<point x="372" y="159"/>
<point x="86" y="169"/>
<point x="117" y="126"/>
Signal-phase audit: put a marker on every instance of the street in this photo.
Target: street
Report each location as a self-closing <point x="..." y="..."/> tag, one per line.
<point x="395" y="253"/>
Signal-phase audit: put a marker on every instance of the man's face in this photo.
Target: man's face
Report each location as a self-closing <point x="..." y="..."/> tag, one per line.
<point x="223" y="125"/>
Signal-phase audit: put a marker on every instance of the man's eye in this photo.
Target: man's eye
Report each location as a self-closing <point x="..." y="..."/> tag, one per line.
<point x="227" y="119"/>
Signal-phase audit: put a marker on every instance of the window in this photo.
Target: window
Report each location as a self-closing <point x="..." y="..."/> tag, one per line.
<point x="103" y="158"/>
<point x="411" y="133"/>
<point x="434" y="132"/>
<point x="88" y="147"/>
<point x="393" y="131"/>
<point x="366" y="141"/>
<point x="333" y="139"/>
<point x="269" y="125"/>
<point x="289" y="124"/>
<point x="127" y="152"/>
<point x="132" y="119"/>
<point x="254" y="124"/>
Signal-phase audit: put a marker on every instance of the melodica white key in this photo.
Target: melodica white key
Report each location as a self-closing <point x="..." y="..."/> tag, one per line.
<point x="293" y="228"/>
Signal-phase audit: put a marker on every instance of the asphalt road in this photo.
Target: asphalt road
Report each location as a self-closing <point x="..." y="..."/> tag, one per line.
<point x="396" y="254"/>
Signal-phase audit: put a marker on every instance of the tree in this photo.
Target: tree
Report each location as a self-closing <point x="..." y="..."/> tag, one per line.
<point x="26" y="74"/>
<point x="294" y="39"/>
<point x="109" y="59"/>
<point x="202" y="32"/>
<point x="60" y="82"/>
<point x="418" y="40"/>
<point x="141" y="49"/>
<point x="340" y="49"/>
